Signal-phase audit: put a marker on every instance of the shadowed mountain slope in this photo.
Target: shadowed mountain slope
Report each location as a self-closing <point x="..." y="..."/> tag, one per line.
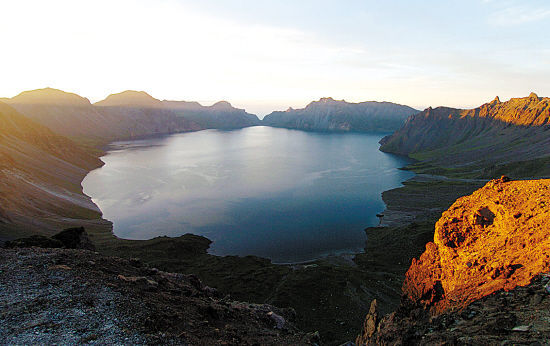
<point x="341" y="116"/>
<point x="75" y="117"/>
<point x="221" y="115"/>
<point x="40" y="175"/>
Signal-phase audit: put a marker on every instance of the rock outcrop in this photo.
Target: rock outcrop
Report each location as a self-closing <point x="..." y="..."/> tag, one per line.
<point x="516" y="317"/>
<point x="340" y="116"/>
<point x="496" y="239"/>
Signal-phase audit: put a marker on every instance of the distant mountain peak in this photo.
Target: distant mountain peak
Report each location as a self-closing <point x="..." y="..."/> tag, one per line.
<point x="130" y="98"/>
<point x="49" y="96"/>
<point x="325" y="101"/>
<point x="496" y="100"/>
<point x="330" y="100"/>
<point x="222" y="104"/>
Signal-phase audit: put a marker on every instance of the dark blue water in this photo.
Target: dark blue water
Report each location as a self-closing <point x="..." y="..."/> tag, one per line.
<point x="282" y="194"/>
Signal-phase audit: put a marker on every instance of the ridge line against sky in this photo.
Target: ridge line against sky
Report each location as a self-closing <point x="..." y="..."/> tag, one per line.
<point x="268" y="55"/>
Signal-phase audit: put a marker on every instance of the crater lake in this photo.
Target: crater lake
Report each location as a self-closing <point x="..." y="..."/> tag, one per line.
<point x="287" y="195"/>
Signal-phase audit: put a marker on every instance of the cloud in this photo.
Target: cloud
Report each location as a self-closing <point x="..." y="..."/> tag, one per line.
<point x="517" y="15"/>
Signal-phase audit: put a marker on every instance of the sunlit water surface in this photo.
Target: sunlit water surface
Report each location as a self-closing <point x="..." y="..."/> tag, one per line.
<point x="282" y="194"/>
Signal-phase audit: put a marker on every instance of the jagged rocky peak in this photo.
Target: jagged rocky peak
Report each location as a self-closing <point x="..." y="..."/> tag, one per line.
<point x="130" y="98"/>
<point x="495" y="101"/>
<point x="49" y="96"/>
<point x="533" y="97"/>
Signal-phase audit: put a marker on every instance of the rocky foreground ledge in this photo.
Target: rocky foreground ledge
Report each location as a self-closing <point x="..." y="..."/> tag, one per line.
<point x="70" y="296"/>
<point x="484" y="279"/>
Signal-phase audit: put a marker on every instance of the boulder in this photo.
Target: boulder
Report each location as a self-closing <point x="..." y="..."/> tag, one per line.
<point x="70" y="238"/>
<point x="75" y="238"/>
<point x="497" y="238"/>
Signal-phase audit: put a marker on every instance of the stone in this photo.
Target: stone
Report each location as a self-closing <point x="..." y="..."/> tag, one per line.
<point x="60" y="266"/>
<point x="370" y="325"/>
<point x="536" y="299"/>
<point x="521" y="328"/>
<point x="279" y="320"/>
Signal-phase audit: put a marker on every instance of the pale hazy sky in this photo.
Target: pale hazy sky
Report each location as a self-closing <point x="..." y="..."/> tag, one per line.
<point x="268" y="55"/>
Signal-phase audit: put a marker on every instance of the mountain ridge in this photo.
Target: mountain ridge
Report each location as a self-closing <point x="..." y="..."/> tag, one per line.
<point x="493" y="135"/>
<point x="220" y="115"/>
<point x="125" y="115"/>
<point x="49" y="96"/>
<point x="332" y="115"/>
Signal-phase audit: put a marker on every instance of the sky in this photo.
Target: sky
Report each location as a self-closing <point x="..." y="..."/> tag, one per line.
<point x="270" y="55"/>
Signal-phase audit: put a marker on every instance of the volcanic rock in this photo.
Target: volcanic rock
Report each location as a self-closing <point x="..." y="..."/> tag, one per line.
<point x="481" y="245"/>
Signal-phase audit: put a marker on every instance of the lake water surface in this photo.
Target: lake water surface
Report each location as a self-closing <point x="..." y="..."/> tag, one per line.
<point x="282" y="194"/>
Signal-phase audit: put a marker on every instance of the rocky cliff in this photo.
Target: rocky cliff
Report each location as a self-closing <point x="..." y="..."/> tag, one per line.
<point x="340" y="116"/>
<point x="495" y="240"/>
<point x="494" y="133"/>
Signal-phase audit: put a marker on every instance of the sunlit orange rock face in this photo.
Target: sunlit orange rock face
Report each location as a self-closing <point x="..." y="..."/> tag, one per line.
<point x="496" y="238"/>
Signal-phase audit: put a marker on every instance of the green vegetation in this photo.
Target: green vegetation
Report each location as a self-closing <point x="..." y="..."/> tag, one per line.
<point x="536" y="168"/>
